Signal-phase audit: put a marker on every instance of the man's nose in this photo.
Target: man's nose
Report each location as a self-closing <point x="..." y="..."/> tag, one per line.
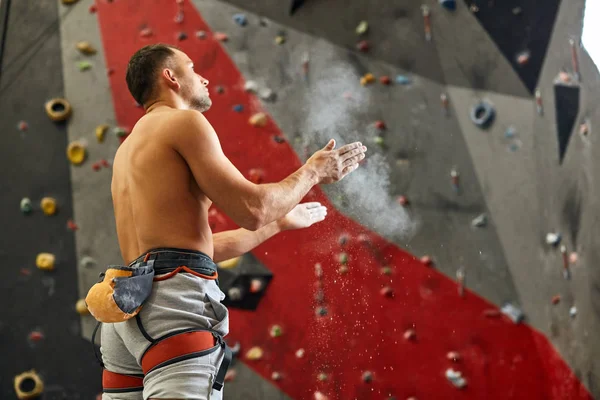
<point x="204" y="81"/>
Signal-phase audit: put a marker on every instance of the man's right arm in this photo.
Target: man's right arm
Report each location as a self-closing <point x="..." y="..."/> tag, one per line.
<point x="249" y="205"/>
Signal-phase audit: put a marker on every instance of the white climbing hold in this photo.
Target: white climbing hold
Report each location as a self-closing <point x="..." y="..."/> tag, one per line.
<point x="553" y="239"/>
<point x="266" y="94"/>
<point x="512" y="312"/>
<point x="573" y="312"/>
<point x="255" y="353"/>
<point x="479" y="221"/>
<point x="251" y="86"/>
<point x="300" y="353"/>
<point x="456" y="378"/>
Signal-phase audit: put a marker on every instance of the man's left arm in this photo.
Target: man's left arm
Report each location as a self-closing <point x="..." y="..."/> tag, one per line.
<point x="235" y="243"/>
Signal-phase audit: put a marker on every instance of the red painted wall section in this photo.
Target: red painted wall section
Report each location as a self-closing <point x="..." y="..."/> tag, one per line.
<point x="363" y="330"/>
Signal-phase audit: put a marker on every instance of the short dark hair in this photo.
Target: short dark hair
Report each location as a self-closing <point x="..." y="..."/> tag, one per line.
<point x="143" y="67"/>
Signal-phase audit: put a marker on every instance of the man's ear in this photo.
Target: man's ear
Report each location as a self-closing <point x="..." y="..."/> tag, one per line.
<point x="170" y="79"/>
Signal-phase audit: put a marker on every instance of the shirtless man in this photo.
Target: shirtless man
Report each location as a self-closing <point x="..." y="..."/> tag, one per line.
<point x="166" y="175"/>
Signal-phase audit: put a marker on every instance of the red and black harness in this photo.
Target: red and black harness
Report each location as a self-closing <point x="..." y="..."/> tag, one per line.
<point x="169" y="349"/>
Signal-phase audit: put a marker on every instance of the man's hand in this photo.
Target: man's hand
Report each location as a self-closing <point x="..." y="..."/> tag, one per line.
<point x="333" y="165"/>
<point x="303" y="216"/>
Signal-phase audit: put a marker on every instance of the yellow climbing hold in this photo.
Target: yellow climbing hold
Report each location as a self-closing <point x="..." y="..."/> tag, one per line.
<point x="81" y="307"/>
<point x="254" y="353"/>
<point x="280" y="39"/>
<point x="45" y="261"/>
<point x="101" y="132"/>
<point x="231" y="263"/>
<point x="362" y="28"/>
<point x="69" y="2"/>
<point x="48" y="205"/>
<point x="76" y="152"/>
<point x="86" y="48"/>
<point x="367" y="78"/>
<point x="258" y="120"/>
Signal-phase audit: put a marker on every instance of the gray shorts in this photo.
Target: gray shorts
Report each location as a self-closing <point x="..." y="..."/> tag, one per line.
<point x="184" y="301"/>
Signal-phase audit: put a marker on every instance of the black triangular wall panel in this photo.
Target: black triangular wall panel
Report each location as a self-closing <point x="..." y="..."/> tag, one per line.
<point x="566" y="100"/>
<point x="519" y="27"/>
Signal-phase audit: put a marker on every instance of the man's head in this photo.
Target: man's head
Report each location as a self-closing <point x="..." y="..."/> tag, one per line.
<point x="163" y="72"/>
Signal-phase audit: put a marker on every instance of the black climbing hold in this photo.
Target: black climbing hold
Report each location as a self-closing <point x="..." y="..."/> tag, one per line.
<point x="566" y="100"/>
<point x="448" y="4"/>
<point x="512" y="30"/>
<point x="482" y="114"/>
<point x="296" y="4"/>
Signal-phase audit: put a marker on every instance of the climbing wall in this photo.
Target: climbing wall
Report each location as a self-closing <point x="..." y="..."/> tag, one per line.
<point x="401" y="293"/>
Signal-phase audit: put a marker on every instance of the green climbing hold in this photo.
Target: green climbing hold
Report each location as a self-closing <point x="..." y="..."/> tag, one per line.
<point x="84" y="65"/>
<point x="276" y="331"/>
<point x="119" y="132"/>
<point x="343" y="258"/>
<point x="26" y="207"/>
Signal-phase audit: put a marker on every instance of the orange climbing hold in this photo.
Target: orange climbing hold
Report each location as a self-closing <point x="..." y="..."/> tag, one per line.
<point x="403" y="201"/>
<point x="258" y="120"/>
<point x="221" y="37"/>
<point x="48" y="205"/>
<point x="366" y="79"/>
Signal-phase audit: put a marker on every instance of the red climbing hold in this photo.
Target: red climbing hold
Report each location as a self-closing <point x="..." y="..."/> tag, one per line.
<point x="71" y="225"/>
<point x="403" y="201"/>
<point x="556" y="299"/>
<point x="410" y="334"/>
<point x="36" y="336"/>
<point x="93" y="9"/>
<point x="104" y="163"/>
<point x="96" y="166"/>
<point x="427" y="260"/>
<point x="387" y="291"/>
<point x="255" y="176"/>
<point x="363" y="46"/>
<point x="453" y="356"/>
<point x="23" y="126"/>
<point x="380" y="125"/>
<point x="385" y="80"/>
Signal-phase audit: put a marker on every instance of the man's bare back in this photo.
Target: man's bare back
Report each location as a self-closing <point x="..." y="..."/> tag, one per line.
<point x="156" y="200"/>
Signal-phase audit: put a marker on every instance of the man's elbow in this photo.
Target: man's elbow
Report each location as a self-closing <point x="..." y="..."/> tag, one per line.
<point x="252" y="222"/>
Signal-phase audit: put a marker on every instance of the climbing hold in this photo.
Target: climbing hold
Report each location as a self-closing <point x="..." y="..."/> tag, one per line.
<point x="322" y="377"/>
<point x="510" y="132"/>
<point x="456" y="378"/>
<point x="201" y="34"/>
<point x="517" y="10"/>
<point x="179" y="17"/>
<point x="343" y="258"/>
<point x="367" y="377"/>
<point x="101" y="132"/>
<point x="512" y="312"/>
<point x="84" y="65"/>
<point x="410" y="334"/>
<point x="280" y="39"/>
<point x="573" y="257"/>
<point x="479" y="221"/>
<point x="362" y="28"/>
<point x="403" y="201"/>
<point x="85" y="48"/>
<point x="45" y="261"/>
<point x="454" y="178"/>
<point x="87" y="262"/>
<point x="427" y="22"/>
<point x="231" y="263"/>
<point x="300" y="353"/>
<point x="230" y="375"/>
<point x="538" y="102"/>
<point x="584" y="129"/>
<point x="276" y="331"/>
<point x="258" y="120"/>
<point x="573" y="312"/>
<point x="255" y="353"/>
<point x="320" y="311"/>
<point x="482" y="114"/>
<point x="35" y="336"/>
<point x="238" y="108"/>
<point x="256" y="285"/>
<point x="22" y="126"/>
<point x="553" y="239"/>
<point x="26" y="206"/>
<point x="276" y="376"/>
<point x="378" y="140"/>
<point x="267" y="94"/>
<point x="565" y="257"/>
<point x="363" y="46"/>
<point x="366" y="79"/>
<point x="448" y="4"/>
<point x="48" y="205"/>
<point x="81" y="307"/>
<point x="240" y="19"/>
<point x="453" y="356"/>
<point x="320" y="396"/>
<point x="386" y="291"/>
<point x="386" y="270"/>
<point x="235" y="293"/>
<point x="93" y="9"/>
<point x="445" y="103"/>
<point x="343" y="270"/>
<point x="427" y="260"/>
<point x="146" y="32"/>
<point x="256" y="176"/>
<point x="69" y="2"/>
<point x="403" y="80"/>
<point x="28" y="385"/>
<point x="71" y="225"/>
<point x="460" y="280"/>
<point x="220" y="89"/>
<point x="221" y="37"/>
<point x="58" y="109"/>
<point x="318" y="270"/>
<point x="96" y="166"/>
<point x="385" y="80"/>
<point x="119" y="132"/>
<point x="76" y="152"/>
<point x="556" y="299"/>
<point x="251" y="86"/>
<point x="380" y="125"/>
<point x="182" y="36"/>
<point x="523" y="57"/>
<point x="305" y="64"/>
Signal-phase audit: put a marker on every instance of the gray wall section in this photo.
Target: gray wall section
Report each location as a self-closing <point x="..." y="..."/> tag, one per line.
<point x="34" y="165"/>
<point x="530" y="194"/>
<point x="461" y="53"/>
<point x="90" y="94"/>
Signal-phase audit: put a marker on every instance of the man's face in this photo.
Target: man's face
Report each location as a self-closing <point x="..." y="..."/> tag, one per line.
<point x="194" y="89"/>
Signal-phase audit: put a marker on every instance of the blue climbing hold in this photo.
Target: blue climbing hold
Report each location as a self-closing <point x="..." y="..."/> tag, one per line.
<point x="240" y="19"/>
<point x="403" y="80"/>
<point x="510" y="132"/>
<point x="448" y="4"/>
<point x="238" y="108"/>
